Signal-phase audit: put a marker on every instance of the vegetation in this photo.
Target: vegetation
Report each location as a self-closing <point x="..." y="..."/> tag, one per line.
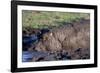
<point x="44" y="19"/>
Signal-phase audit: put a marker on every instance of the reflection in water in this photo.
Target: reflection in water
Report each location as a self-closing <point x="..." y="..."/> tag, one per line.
<point x="27" y="55"/>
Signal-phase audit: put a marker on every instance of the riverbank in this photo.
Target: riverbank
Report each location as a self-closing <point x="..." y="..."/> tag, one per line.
<point x="68" y="42"/>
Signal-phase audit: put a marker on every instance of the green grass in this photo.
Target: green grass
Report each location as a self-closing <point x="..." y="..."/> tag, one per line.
<point x="43" y="19"/>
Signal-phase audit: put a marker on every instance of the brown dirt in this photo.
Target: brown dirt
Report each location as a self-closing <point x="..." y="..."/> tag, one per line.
<point x="66" y="37"/>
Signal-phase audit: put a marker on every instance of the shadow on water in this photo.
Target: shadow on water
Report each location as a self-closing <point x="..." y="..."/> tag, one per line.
<point x="44" y="56"/>
<point x="27" y="56"/>
<point x="33" y="38"/>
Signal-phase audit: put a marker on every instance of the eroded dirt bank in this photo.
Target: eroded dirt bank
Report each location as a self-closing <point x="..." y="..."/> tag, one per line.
<point x="70" y="41"/>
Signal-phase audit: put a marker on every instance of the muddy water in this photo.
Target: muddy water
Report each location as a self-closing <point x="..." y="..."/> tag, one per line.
<point x="27" y="55"/>
<point x="34" y="56"/>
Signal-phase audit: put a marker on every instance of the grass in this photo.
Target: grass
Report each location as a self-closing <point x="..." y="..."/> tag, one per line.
<point x="44" y="19"/>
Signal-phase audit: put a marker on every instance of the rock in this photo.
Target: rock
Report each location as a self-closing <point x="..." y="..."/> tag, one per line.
<point x="40" y="59"/>
<point x="80" y="53"/>
<point x="69" y="57"/>
<point x="64" y="54"/>
<point x="78" y="50"/>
